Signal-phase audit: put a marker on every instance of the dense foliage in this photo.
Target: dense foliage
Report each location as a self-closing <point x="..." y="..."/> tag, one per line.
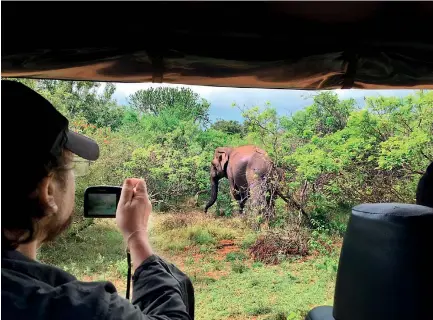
<point x="335" y="153"/>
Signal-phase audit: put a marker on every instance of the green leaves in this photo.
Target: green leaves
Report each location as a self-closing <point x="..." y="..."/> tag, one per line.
<point x="408" y="152"/>
<point x="229" y="127"/>
<point x="338" y="155"/>
<point x="183" y="102"/>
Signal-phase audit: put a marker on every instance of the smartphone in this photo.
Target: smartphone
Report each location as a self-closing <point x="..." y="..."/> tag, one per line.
<point x="101" y="201"/>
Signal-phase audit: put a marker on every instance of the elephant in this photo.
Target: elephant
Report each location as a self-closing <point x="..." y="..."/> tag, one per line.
<point x="246" y="167"/>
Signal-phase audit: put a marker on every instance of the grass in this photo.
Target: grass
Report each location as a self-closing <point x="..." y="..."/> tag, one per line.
<point x="214" y="253"/>
<point x="287" y="288"/>
<point x="236" y="255"/>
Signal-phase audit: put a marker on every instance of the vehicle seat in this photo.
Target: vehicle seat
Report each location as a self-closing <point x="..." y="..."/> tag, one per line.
<point x="385" y="269"/>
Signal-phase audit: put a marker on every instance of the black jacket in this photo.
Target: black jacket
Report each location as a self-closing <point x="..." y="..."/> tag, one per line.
<point x="32" y="290"/>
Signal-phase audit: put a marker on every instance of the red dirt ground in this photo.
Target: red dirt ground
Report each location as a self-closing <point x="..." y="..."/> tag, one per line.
<point x="216" y="274"/>
<point x="225" y="247"/>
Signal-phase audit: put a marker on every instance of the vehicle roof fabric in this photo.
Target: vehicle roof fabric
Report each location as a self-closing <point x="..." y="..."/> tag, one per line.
<point x="296" y="45"/>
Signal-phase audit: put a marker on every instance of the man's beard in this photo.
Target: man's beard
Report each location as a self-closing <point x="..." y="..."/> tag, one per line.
<point x="55" y="228"/>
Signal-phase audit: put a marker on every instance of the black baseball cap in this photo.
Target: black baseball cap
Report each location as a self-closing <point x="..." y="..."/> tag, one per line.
<point x="39" y="130"/>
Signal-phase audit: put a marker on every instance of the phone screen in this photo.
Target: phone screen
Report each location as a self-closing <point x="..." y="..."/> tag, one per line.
<point x="100" y="204"/>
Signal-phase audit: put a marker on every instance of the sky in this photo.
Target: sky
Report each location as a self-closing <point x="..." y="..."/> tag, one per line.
<point x="285" y="101"/>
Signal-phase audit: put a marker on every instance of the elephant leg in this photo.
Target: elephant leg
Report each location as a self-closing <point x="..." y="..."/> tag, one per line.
<point x="243" y="199"/>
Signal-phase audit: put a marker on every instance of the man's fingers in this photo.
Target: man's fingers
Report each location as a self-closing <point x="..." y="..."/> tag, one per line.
<point x="140" y="188"/>
<point x="127" y="191"/>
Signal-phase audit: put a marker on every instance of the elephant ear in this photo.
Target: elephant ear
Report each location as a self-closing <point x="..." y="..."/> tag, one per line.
<point x="222" y="156"/>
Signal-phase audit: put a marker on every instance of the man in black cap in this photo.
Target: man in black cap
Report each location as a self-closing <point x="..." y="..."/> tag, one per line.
<point x="40" y="155"/>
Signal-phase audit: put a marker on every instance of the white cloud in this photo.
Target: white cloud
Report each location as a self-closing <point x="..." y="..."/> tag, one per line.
<point x="360" y="93"/>
<point x="208" y="92"/>
<point x="221" y="98"/>
<point x="125" y="89"/>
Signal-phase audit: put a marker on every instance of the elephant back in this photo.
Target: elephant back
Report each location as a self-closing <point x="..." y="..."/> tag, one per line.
<point x="260" y="163"/>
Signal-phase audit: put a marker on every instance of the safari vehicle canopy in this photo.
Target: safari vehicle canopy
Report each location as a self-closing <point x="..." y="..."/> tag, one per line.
<point x="297" y="45"/>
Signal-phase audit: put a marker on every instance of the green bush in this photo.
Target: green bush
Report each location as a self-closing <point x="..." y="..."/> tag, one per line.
<point x="249" y="240"/>
<point x="278" y="316"/>
<point x="236" y="256"/>
<point x="239" y="267"/>
<point x="201" y="237"/>
<point x="321" y="242"/>
<point x="122" y="267"/>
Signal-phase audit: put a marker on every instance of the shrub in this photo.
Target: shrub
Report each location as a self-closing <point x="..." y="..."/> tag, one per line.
<point x="239" y="267"/>
<point x="236" y="255"/>
<point x="257" y="264"/>
<point x="221" y="233"/>
<point x="259" y="309"/>
<point x="274" y="246"/>
<point x="321" y="242"/>
<point x="200" y="237"/>
<point x="174" y="222"/>
<point x="278" y="316"/>
<point x="122" y="267"/>
<point x="249" y="240"/>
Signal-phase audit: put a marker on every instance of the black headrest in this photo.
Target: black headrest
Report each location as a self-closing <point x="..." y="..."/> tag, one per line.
<point x="386" y="264"/>
<point x="424" y="190"/>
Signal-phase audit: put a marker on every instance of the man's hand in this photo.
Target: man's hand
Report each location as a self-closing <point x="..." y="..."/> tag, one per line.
<point x="132" y="216"/>
<point x="134" y="207"/>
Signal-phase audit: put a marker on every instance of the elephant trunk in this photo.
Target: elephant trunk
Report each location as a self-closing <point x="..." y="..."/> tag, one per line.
<point x="213" y="194"/>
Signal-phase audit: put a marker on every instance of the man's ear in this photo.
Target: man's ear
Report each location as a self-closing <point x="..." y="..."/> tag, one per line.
<point x="45" y="192"/>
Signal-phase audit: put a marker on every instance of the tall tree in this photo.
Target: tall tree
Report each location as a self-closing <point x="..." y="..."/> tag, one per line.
<point x="154" y="100"/>
<point x="229" y="127"/>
